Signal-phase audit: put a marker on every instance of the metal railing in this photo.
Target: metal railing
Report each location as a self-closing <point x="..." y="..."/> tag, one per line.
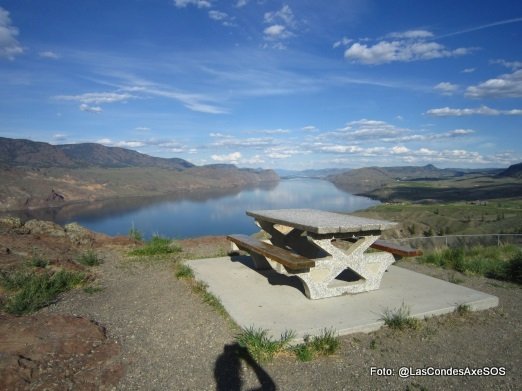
<point x="453" y="241"/>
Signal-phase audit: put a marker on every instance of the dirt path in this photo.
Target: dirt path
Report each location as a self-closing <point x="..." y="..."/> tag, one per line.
<point x="170" y="338"/>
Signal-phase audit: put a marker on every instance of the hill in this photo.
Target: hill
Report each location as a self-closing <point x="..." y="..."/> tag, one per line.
<point x="38" y="175"/>
<point x="32" y="154"/>
<point x="513" y="171"/>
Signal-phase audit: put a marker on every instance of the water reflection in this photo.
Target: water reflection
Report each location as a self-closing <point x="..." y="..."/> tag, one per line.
<point x="216" y="212"/>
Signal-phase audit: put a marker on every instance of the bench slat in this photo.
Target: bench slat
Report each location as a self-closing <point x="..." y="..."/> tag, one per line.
<point x="396" y="249"/>
<point x="289" y="259"/>
<point x="402" y="251"/>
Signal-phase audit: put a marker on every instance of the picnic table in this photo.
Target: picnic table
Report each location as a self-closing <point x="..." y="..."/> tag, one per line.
<point x="302" y="242"/>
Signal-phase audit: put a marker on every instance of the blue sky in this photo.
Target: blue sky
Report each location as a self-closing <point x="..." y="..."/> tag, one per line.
<point x="274" y="84"/>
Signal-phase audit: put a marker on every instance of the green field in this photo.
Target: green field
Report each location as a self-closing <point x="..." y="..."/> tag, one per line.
<point x="451" y="218"/>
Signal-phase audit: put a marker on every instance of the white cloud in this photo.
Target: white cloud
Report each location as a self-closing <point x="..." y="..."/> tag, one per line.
<point x="505" y="86"/>
<point x="142" y="129"/>
<point x="90" y="109"/>
<point x="281" y="22"/>
<point x="482" y="110"/>
<point x="231" y="158"/>
<point x="275" y="31"/>
<point x="309" y="128"/>
<point x="446" y="88"/>
<point x="196" y="3"/>
<point x="369" y="129"/>
<point x="217" y="15"/>
<point x="97" y="97"/>
<point x="406" y="46"/>
<point x="49" y="54"/>
<point x="241" y="3"/>
<point x="342" y="149"/>
<point x="9" y="45"/>
<point x="399" y="149"/>
<point x="468" y="70"/>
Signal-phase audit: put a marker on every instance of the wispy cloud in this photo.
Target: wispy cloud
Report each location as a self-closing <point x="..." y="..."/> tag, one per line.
<point x="90" y="109"/>
<point x="196" y="3"/>
<point x="513" y="65"/>
<point x="482" y="27"/>
<point x="482" y="110"/>
<point x="9" y="45"/>
<point x="504" y="86"/>
<point x="406" y="46"/>
<point x="49" y="55"/>
<point x="97" y="97"/>
<point x="222" y="17"/>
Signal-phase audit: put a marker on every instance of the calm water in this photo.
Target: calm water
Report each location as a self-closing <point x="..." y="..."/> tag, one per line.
<point x="190" y="215"/>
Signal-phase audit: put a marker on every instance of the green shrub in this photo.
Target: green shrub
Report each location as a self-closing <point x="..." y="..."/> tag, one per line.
<point x="158" y="245"/>
<point x="304" y="352"/>
<point x="90" y="258"/>
<point x="39" y="262"/>
<point x="502" y="263"/>
<point x="399" y="318"/>
<point x="32" y="291"/>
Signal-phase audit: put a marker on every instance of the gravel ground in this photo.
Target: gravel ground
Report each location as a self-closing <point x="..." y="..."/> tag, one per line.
<point x="172" y="340"/>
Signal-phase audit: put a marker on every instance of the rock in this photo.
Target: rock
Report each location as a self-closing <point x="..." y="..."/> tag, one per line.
<point x="51" y="351"/>
<point x="79" y="235"/>
<point x="39" y="227"/>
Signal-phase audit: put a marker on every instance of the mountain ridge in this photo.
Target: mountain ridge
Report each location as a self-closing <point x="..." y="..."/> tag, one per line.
<point x="36" y="154"/>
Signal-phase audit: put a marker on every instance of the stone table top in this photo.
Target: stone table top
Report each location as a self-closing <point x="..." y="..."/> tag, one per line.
<point x="320" y="222"/>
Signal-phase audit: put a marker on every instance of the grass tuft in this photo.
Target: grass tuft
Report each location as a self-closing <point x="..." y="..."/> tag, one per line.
<point x="39" y="262"/>
<point x="90" y="258"/>
<point x="135" y="234"/>
<point x="399" y="318"/>
<point x="183" y="271"/>
<point x="32" y="291"/>
<point x="463" y="309"/>
<point x="261" y="346"/>
<point x="324" y="344"/>
<point x="92" y="289"/>
<point x="158" y="245"/>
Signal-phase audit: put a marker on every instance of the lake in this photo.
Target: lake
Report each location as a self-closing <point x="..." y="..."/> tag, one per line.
<point x="205" y="213"/>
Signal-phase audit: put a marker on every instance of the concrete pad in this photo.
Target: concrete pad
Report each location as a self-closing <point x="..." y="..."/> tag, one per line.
<point x="269" y="300"/>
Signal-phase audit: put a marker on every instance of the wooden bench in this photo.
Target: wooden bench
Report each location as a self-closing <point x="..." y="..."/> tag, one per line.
<point x="286" y="258"/>
<point x="396" y="249"/>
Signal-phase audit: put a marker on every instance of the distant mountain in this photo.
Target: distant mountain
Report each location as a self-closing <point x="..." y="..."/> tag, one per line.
<point x="363" y="180"/>
<point x="317" y="173"/>
<point x="514" y="171"/>
<point x="27" y="153"/>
